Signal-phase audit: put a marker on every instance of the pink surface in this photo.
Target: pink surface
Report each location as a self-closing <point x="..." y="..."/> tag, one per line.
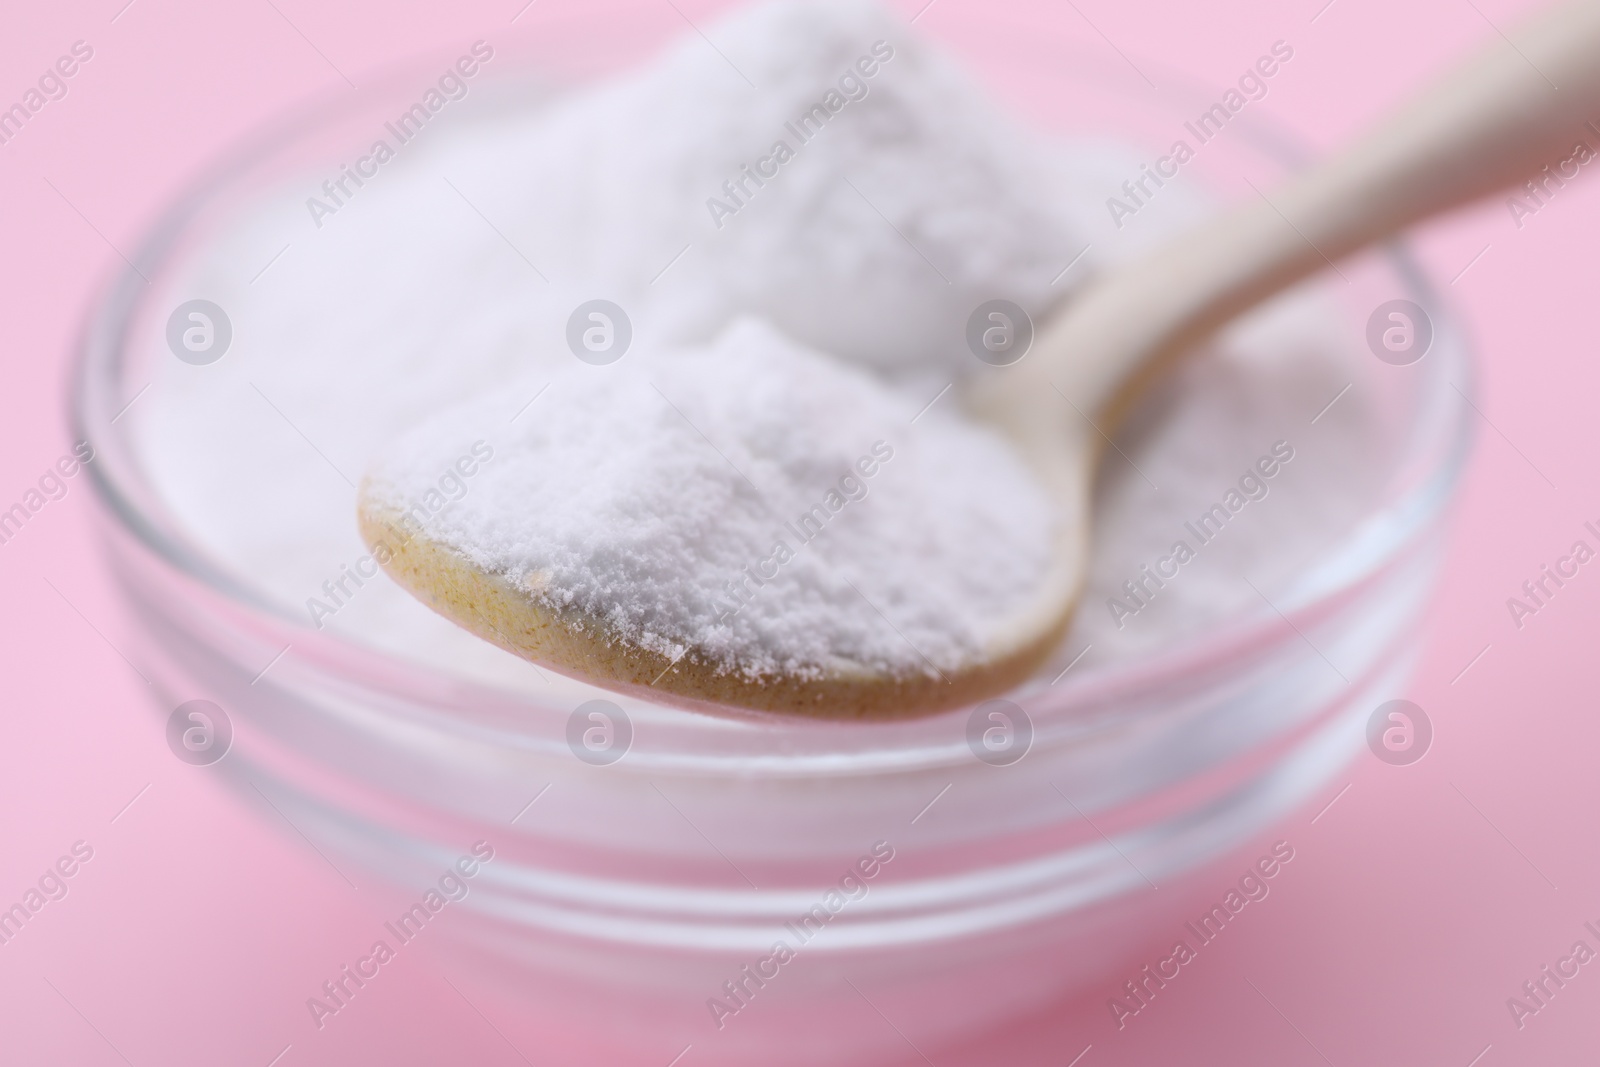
<point x="1416" y="905"/>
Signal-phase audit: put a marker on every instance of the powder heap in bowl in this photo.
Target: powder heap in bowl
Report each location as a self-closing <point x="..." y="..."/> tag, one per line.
<point x="797" y="219"/>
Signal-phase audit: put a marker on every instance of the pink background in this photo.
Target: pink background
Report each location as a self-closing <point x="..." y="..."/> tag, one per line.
<point x="1415" y="906"/>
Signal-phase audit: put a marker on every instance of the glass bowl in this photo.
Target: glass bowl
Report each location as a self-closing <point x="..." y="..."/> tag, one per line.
<point x="926" y="881"/>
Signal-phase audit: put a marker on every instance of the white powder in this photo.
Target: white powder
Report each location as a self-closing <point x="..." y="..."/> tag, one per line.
<point x="874" y="242"/>
<point x="446" y="284"/>
<point x="774" y="508"/>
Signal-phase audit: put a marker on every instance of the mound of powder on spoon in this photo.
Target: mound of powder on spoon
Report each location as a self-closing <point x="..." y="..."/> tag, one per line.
<point x="776" y="510"/>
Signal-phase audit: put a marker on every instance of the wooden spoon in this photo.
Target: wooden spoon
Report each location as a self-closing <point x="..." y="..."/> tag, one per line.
<point x="584" y="646"/>
<point x="1495" y="121"/>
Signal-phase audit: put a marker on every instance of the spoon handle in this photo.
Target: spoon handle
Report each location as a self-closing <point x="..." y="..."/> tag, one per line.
<point x="1521" y="105"/>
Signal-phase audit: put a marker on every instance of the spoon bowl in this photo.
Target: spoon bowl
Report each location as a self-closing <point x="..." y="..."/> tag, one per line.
<point x="516" y="618"/>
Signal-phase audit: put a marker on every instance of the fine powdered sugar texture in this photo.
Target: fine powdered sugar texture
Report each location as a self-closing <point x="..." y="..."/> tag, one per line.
<point x="769" y="506"/>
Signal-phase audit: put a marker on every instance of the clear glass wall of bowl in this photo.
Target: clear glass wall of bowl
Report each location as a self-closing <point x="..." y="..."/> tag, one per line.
<point x="629" y="893"/>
